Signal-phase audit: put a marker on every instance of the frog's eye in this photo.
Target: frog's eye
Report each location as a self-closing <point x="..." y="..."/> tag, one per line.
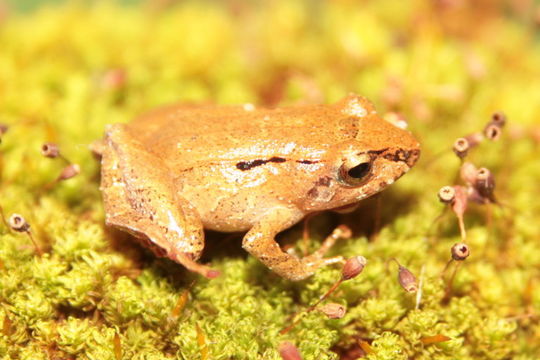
<point x="356" y="169"/>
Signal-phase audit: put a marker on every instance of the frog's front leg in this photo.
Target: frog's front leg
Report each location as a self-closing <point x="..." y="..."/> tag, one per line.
<point x="260" y="242"/>
<point x="139" y="197"/>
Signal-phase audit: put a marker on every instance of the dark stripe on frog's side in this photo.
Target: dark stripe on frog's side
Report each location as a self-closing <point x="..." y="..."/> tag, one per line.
<point x="377" y="152"/>
<point x="308" y="162"/>
<point x="247" y="165"/>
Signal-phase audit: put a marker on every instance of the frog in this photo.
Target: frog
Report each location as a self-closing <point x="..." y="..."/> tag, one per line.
<point x="179" y="170"/>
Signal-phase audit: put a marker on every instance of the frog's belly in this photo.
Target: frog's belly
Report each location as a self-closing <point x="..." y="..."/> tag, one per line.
<point x="218" y="223"/>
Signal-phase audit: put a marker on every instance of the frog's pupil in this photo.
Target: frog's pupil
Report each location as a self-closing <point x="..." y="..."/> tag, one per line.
<point x="359" y="171"/>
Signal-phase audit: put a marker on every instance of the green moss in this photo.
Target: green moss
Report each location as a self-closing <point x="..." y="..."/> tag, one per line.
<point x="68" y="70"/>
<point x="387" y="346"/>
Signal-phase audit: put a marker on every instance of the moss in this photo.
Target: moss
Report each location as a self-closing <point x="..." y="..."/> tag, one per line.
<point x="387" y="346"/>
<point x="67" y="70"/>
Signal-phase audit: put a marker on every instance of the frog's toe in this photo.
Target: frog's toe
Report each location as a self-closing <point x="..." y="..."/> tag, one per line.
<point x="314" y="262"/>
<point x="190" y="264"/>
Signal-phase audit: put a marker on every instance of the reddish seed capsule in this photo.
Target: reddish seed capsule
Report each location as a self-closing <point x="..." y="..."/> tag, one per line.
<point x="407" y="280"/>
<point x="485" y="183"/>
<point x="353" y="267"/>
<point x="460" y="251"/>
<point x="50" y="150"/>
<point x="288" y="351"/>
<point x="69" y="171"/>
<point x="18" y="223"/>
<point x="499" y="119"/>
<point x="447" y="194"/>
<point x="333" y="310"/>
<point x="492" y="132"/>
<point x="461" y="147"/>
<point x="468" y="172"/>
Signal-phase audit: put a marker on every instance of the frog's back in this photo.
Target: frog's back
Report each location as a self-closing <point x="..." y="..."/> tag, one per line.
<point x="187" y="137"/>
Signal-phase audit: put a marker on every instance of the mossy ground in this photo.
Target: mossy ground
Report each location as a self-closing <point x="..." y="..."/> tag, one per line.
<point x="67" y="71"/>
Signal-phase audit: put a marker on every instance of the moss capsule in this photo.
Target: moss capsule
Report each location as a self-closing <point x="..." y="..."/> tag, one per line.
<point x="407" y="280"/>
<point x="18" y="223"/>
<point x="69" y="171"/>
<point x="492" y="132"/>
<point x="333" y="310"/>
<point x="467" y="172"/>
<point x="460" y="251"/>
<point x="461" y="147"/>
<point x="499" y="119"/>
<point x="353" y="267"/>
<point x="447" y="194"/>
<point x="50" y="150"/>
<point x="485" y="183"/>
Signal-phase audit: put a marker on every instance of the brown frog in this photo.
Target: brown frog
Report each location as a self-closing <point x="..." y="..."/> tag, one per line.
<point x="181" y="169"/>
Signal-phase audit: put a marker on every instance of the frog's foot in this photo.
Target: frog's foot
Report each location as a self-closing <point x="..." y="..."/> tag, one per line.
<point x="139" y="198"/>
<point x="260" y="242"/>
<point x="341" y="232"/>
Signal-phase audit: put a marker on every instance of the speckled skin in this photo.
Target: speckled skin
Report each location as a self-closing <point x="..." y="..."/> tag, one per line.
<point x="180" y="169"/>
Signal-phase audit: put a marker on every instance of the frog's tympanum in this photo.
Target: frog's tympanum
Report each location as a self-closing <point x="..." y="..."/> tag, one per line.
<point x="178" y="170"/>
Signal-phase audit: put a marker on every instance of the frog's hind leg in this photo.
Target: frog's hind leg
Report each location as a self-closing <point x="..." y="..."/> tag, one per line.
<point x="138" y="198"/>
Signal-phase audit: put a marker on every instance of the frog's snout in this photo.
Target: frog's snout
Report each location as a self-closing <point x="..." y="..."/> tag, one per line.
<point x="412" y="157"/>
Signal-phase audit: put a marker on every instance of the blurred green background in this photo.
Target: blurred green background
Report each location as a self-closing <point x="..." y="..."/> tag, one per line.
<point x="29" y="5"/>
